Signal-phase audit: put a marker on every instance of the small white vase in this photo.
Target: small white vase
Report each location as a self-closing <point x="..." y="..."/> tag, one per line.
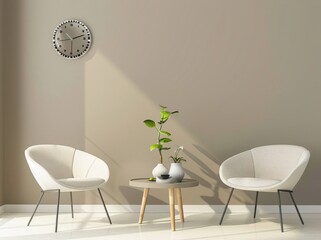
<point x="160" y="169"/>
<point x="177" y="172"/>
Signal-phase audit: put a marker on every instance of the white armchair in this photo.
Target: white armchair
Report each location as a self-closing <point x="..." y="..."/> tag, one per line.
<point x="66" y="169"/>
<point x="274" y="168"/>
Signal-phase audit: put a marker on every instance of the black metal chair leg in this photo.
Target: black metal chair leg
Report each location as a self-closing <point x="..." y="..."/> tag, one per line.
<point x="72" y="205"/>
<point x="280" y="209"/>
<point x="104" y="205"/>
<point x="228" y="201"/>
<point x="257" y="196"/>
<point x="296" y="207"/>
<point x="57" y="210"/>
<point x="36" y="208"/>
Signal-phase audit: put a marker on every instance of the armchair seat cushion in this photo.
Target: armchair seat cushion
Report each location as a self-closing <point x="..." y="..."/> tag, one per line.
<point x="81" y="183"/>
<point x="248" y="183"/>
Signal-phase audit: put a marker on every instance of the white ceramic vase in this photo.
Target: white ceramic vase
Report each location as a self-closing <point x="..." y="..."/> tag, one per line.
<point x="160" y="169"/>
<point x="177" y="172"/>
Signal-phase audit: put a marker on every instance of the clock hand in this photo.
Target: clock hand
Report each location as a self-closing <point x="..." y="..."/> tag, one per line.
<point x="63" y="40"/>
<point x="79" y="36"/>
<point x="69" y="36"/>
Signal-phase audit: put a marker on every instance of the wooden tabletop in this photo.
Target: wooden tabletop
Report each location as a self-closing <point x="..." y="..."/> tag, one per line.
<point x="145" y="183"/>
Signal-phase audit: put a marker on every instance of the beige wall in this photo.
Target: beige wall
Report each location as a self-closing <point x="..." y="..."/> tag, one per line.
<point x="242" y="73"/>
<point x="1" y="102"/>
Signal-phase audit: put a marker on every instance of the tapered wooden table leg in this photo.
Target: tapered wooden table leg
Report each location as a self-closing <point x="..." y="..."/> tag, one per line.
<point x="172" y="207"/>
<point x="143" y="206"/>
<point x="180" y="203"/>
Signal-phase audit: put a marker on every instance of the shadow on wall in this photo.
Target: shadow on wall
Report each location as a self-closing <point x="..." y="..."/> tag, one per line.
<point x="212" y="174"/>
<point x="213" y="181"/>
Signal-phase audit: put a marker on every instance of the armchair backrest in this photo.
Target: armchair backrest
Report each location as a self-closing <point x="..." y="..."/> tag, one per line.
<point x="56" y="159"/>
<point x="278" y="161"/>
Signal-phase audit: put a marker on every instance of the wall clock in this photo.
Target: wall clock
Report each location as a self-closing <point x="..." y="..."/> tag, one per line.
<point x="72" y="39"/>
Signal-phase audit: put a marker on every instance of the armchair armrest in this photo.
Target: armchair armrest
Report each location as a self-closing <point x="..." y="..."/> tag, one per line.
<point x="45" y="180"/>
<point x="292" y="179"/>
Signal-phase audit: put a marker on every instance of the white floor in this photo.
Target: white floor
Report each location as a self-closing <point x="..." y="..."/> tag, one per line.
<point x="201" y="226"/>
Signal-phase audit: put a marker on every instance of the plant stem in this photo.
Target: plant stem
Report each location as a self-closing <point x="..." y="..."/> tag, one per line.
<point x="160" y="150"/>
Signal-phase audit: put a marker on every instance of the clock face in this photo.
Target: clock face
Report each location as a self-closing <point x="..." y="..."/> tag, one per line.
<point x="71" y="39"/>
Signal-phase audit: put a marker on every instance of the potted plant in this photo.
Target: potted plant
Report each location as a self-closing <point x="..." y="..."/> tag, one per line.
<point x="176" y="171"/>
<point x="162" y="138"/>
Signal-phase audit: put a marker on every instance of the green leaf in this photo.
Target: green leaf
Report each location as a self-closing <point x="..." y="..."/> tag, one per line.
<point x="174" y="112"/>
<point x="165" y="140"/>
<point x="165" y="133"/>
<point x="155" y="146"/>
<point x="163" y="121"/>
<point x="149" y="123"/>
<point x="165" y="115"/>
